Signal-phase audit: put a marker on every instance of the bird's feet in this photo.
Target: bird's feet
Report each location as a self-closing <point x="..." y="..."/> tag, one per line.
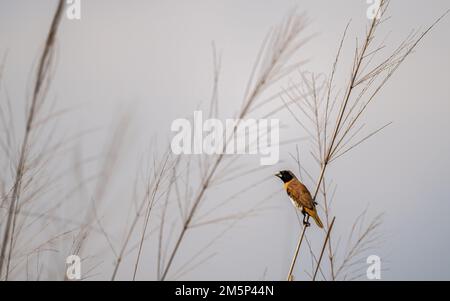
<point x="306" y="224"/>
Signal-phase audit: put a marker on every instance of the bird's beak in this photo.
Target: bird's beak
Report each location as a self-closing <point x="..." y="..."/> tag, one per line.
<point x="278" y="175"/>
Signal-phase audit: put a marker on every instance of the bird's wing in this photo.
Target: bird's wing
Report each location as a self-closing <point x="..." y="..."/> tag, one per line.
<point x="299" y="193"/>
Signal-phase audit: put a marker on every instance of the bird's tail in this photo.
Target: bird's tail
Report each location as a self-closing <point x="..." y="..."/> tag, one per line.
<point x="316" y="218"/>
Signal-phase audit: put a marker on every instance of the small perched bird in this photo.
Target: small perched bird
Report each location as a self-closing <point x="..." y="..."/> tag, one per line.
<point x="300" y="197"/>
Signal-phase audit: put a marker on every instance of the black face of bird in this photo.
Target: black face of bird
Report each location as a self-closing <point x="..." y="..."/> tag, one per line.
<point x="285" y="176"/>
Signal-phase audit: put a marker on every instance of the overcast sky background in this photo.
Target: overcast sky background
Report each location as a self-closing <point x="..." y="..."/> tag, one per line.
<point x="155" y="58"/>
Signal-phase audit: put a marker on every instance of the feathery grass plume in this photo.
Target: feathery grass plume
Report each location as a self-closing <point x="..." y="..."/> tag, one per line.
<point x="24" y="168"/>
<point x="362" y="238"/>
<point x="158" y="185"/>
<point x="110" y="157"/>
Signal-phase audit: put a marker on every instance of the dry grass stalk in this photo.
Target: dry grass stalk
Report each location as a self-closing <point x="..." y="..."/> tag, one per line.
<point x="361" y="239"/>
<point x="290" y="276"/>
<point x="330" y="228"/>
<point x="110" y="159"/>
<point x="155" y="184"/>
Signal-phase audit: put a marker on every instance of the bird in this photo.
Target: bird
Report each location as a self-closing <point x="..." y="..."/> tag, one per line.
<point x="300" y="197"/>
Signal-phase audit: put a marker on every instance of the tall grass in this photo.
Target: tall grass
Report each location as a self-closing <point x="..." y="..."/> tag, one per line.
<point x="42" y="81"/>
<point x="172" y="197"/>
<point x="270" y="67"/>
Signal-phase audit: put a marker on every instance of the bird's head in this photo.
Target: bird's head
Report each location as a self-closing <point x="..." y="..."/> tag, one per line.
<point x="285" y="175"/>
